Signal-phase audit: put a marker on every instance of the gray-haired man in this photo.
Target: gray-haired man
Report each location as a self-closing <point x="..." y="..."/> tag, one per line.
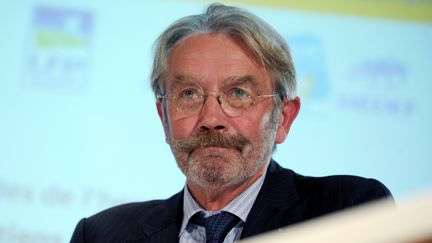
<point x="226" y="95"/>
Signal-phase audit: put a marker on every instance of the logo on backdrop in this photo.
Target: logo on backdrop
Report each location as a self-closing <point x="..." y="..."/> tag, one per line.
<point x="310" y="63"/>
<point x="58" y="53"/>
<point x="372" y="86"/>
<point x="378" y="85"/>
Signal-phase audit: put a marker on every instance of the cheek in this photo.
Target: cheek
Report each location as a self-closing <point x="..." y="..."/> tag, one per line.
<point x="182" y="128"/>
<point x="265" y="123"/>
<point x="256" y="123"/>
<point x="261" y="133"/>
<point x="251" y="128"/>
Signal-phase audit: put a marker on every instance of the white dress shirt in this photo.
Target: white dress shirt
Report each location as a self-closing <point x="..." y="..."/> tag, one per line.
<point x="239" y="206"/>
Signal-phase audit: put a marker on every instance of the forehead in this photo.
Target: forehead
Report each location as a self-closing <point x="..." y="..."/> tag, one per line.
<point x="186" y="80"/>
<point x="213" y="59"/>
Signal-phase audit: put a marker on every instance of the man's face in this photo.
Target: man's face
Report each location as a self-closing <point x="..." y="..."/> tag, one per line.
<point x="212" y="147"/>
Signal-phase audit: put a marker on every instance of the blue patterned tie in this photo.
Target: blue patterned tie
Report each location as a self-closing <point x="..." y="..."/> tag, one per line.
<point x="217" y="226"/>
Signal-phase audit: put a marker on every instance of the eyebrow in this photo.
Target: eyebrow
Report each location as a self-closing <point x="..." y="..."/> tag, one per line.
<point x="184" y="78"/>
<point x="181" y="79"/>
<point x="242" y="79"/>
<point x="187" y="79"/>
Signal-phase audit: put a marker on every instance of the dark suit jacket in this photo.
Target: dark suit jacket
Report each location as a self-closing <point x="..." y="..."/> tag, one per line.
<point x="285" y="198"/>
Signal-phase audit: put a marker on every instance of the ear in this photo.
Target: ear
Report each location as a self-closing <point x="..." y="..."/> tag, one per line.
<point x="163" y="119"/>
<point x="290" y="109"/>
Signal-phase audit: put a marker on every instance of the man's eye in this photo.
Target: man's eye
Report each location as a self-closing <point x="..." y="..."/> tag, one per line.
<point x="239" y="93"/>
<point x="189" y="94"/>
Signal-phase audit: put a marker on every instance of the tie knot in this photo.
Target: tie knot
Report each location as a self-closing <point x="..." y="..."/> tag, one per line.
<point x="216" y="226"/>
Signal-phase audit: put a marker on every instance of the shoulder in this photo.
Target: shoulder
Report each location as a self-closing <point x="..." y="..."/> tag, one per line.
<point x="321" y="195"/>
<point x="122" y="214"/>
<point x="345" y="188"/>
<point x="122" y="221"/>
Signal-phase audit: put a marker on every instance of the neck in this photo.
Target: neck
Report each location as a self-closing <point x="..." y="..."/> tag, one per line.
<point x="214" y="198"/>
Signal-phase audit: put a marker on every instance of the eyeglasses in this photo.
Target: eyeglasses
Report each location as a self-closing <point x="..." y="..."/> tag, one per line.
<point x="233" y="102"/>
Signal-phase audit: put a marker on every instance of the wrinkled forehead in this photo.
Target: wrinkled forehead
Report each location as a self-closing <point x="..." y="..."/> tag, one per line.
<point x="180" y="80"/>
<point x="212" y="60"/>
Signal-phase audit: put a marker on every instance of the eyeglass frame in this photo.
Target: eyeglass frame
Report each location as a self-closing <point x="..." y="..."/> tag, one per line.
<point x="218" y="98"/>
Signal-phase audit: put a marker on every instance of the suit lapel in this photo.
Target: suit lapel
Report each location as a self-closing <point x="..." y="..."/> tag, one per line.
<point x="162" y="223"/>
<point x="271" y="209"/>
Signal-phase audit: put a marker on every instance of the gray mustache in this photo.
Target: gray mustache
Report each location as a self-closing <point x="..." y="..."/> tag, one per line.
<point x="210" y="139"/>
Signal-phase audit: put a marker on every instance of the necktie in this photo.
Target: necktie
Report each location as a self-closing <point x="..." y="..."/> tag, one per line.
<point x="216" y="226"/>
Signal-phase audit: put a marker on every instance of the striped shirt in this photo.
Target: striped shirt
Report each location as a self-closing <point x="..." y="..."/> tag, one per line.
<point x="239" y="206"/>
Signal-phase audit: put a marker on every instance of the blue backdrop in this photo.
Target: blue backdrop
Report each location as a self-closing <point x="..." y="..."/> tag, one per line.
<point x="79" y="130"/>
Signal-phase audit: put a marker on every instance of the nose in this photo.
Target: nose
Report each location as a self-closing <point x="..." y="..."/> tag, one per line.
<point x="211" y="116"/>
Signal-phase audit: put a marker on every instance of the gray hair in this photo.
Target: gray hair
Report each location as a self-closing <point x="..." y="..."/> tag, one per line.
<point x="263" y="41"/>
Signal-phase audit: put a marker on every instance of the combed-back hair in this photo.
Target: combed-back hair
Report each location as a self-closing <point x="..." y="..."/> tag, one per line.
<point x="263" y="41"/>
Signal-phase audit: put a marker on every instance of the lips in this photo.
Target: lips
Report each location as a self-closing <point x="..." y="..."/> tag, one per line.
<point x="211" y="151"/>
<point x="212" y="155"/>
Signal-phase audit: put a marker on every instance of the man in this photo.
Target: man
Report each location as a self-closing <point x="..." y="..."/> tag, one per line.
<point x="225" y="87"/>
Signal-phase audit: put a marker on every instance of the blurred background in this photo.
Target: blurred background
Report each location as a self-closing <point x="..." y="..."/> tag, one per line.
<point x="79" y="131"/>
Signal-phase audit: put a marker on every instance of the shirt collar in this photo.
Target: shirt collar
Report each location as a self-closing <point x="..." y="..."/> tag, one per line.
<point x="239" y="206"/>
